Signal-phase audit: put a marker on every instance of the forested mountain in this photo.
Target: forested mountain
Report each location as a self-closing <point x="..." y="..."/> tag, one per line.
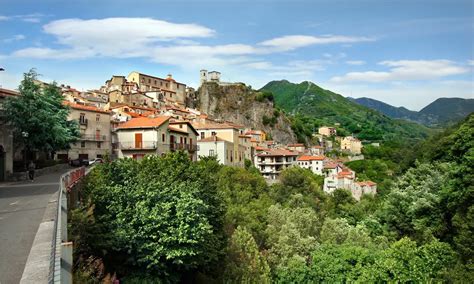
<point x="438" y="113"/>
<point x="388" y="110"/>
<point x="313" y="106"/>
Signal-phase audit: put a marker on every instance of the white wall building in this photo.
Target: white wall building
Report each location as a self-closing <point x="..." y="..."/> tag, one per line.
<point x="271" y="162"/>
<point x="313" y="163"/>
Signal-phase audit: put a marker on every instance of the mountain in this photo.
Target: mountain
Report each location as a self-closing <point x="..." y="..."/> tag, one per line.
<point x="388" y="110"/>
<point x="440" y="112"/>
<point x="312" y="106"/>
<point x="445" y="110"/>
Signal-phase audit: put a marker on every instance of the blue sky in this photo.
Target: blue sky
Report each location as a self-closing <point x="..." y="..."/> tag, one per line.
<point x="402" y="52"/>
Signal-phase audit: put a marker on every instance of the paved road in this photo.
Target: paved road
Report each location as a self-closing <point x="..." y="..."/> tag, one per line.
<point x="22" y="205"/>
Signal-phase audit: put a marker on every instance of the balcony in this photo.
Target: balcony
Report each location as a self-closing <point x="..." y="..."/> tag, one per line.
<point x="187" y="147"/>
<point x="92" y="137"/>
<point x="137" y="145"/>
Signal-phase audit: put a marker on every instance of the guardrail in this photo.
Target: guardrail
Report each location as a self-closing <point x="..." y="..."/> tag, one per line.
<point x="60" y="269"/>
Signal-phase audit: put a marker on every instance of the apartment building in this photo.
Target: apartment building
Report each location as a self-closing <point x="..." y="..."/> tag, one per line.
<point x="271" y="162"/>
<point x="94" y="128"/>
<point x="298" y="147"/>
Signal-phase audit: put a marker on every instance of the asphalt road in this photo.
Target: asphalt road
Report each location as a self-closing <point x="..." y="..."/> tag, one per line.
<point x="22" y="206"/>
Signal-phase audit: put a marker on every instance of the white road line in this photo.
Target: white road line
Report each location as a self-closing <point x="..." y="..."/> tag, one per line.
<point x="15" y="203"/>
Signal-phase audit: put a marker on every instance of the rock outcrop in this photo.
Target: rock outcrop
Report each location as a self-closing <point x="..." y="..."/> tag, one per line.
<point x="240" y="104"/>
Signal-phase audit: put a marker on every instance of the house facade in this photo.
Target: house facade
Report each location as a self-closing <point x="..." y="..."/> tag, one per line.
<point x="313" y="163"/>
<point x="214" y="146"/>
<point x="95" y="136"/>
<point x="155" y="135"/>
<point x="352" y="145"/>
<point x="327" y="131"/>
<point x="171" y="89"/>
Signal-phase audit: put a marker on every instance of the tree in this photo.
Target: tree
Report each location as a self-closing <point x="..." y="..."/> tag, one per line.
<point x="244" y="262"/>
<point x="162" y="213"/>
<point x="38" y="117"/>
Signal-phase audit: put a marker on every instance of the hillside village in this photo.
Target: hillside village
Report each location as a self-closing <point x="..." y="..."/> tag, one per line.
<point x="139" y="114"/>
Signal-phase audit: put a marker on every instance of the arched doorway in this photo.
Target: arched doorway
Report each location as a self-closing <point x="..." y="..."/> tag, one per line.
<point x="2" y="163"/>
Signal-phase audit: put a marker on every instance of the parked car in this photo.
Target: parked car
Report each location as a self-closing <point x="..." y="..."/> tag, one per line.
<point x="78" y="162"/>
<point x="96" y="160"/>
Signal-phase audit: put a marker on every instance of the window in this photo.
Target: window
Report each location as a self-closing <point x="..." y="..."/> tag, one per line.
<point x="185" y="140"/>
<point x="149" y="80"/>
<point x="203" y="135"/>
<point x="155" y="82"/>
<point x="180" y="140"/>
<point x="211" y="152"/>
<point x="82" y="118"/>
<point x="97" y="117"/>
<point x="166" y="85"/>
<point x="213" y="133"/>
<point x="99" y="144"/>
<point x="163" y="137"/>
<point x="180" y="126"/>
<point x="83" y="144"/>
<point x="191" y="141"/>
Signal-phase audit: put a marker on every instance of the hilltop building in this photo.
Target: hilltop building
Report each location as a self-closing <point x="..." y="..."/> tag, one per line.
<point x="351" y="144"/>
<point x="271" y="162"/>
<point x="171" y="89"/>
<point x="313" y="163"/>
<point x="327" y="131"/>
<point x="213" y="76"/>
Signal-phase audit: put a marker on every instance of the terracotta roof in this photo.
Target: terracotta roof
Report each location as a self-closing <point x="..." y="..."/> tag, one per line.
<point x="296" y="145"/>
<point x="7" y="92"/>
<point x="190" y="126"/>
<point x="253" y="140"/>
<point x="277" y="152"/>
<point x="244" y="136"/>
<point x="318" y="147"/>
<point x="259" y="148"/>
<point x="330" y="165"/>
<point x="84" y="107"/>
<point x="366" y="183"/>
<point x="212" y="139"/>
<point x="177" y="130"/>
<point x="144" y="122"/>
<point x="132" y="114"/>
<point x="311" y="158"/>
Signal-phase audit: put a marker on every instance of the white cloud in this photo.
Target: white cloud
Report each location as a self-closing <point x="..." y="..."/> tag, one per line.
<point x="14" y="38"/>
<point x="355" y="62"/>
<point x="402" y="70"/>
<point x="162" y="42"/>
<point x="31" y="18"/>
<point x="291" y="42"/>
<point x="470" y="62"/>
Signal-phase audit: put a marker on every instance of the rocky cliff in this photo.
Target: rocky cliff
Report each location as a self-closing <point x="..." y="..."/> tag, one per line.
<point x="240" y="104"/>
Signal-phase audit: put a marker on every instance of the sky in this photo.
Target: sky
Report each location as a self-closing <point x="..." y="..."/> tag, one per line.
<point x="405" y="53"/>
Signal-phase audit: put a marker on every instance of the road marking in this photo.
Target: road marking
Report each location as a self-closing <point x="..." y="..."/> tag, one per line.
<point x="15" y="203"/>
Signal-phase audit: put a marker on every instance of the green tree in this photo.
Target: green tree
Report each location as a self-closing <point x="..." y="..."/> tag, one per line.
<point x="162" y="213"/>
<point x="39" y="118"/>
<point x="244" y="262"/>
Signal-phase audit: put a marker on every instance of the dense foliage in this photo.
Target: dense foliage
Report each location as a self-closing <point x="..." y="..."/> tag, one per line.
<point x="169" y="219"/>
<point x="39" y="119"/>
<point x="313" y="106"/>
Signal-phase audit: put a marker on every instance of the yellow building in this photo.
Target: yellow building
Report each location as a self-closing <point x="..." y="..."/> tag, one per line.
<point x="351" y="144"/>
<point x="327" y="131"/>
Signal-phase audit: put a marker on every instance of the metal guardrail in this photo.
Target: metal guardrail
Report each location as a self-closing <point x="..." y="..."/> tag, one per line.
<point x="60" y="269"/>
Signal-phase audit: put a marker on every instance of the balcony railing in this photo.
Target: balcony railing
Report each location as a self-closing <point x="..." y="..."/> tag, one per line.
<point x="187" y="147"/>
<point x="138" y="145"/>
<point x="92" y="137"/>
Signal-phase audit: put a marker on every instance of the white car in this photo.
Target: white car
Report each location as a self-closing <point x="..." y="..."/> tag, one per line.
<point x="96" y="160"/>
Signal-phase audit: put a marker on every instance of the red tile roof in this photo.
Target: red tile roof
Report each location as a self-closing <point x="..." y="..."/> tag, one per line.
<point x="84" y="107"/>
<point x="366" y="183"/>
<point x="7" y="92"/>
<point x="311" y="158"/>
<point x="144" y="122"/>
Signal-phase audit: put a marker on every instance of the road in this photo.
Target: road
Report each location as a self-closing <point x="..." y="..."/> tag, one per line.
<point x="22" y="205"/>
